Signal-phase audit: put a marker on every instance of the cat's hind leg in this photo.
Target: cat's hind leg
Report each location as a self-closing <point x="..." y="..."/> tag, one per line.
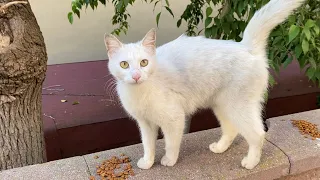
<point x="229" y="132"/>
<point x="245" y="115"/>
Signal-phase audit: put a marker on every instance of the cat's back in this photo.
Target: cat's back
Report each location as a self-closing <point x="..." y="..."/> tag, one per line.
<point x="185" y="46"/>
<point x="189" y="56"/>
<point x="198" y="66"/>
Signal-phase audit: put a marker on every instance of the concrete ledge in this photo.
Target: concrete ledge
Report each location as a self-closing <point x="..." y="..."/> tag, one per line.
<point x="287" y="155"/>
<point x="71" y="168"/>
<point x="303" y="153"/>
<point x="313" y="174"/>
<point x="198" y="162"/>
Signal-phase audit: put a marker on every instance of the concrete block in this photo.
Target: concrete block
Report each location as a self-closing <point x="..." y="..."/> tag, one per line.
<point x="196" y="161"/>
<point x="303" y="153"/>
<point x="67" y="169"/>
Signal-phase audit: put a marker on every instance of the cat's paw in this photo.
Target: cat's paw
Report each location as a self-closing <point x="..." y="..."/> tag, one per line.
<point x="216" y="148"/>
<point x="144" y="164"/>
<point x="165" y="161"/>
<point x="249" y="164"/>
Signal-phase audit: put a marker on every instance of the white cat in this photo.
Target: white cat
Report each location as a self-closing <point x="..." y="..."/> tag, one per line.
<point x="159" y="87"/>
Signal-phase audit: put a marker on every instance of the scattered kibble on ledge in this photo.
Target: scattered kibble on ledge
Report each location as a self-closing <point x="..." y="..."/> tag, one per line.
<point x="307" y="129"/>
<point x="115" y="168"/>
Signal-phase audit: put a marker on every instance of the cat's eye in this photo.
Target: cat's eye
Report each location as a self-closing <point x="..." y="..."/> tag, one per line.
<point x="124" y="64"/>
<point x="144" y="63"/>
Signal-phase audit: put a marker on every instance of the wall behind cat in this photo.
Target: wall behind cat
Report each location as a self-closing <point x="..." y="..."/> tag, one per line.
<point x="83" y="41"/>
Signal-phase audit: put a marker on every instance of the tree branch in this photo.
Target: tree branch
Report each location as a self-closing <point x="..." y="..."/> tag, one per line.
<point x="7" y="5"/>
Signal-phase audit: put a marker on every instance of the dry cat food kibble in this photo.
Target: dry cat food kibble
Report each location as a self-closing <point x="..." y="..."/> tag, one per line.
<point x="307" y="128"/>
<point x="115" y="168"/>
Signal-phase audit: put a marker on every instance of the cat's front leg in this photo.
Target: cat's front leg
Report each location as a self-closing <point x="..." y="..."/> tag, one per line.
<point x="173" y="132"/>
<point x="149" y="134"/>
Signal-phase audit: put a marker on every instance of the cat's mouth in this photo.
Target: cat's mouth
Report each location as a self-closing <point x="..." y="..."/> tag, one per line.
<point x="135" y="82"/>
<point x="138" y="82"/>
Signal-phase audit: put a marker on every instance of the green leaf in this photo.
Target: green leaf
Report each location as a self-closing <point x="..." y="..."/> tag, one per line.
<point x="240" y="7"/>
<point x="276" y="40"/>
<point x="316" y="30"/>
<point x="317" y="74"/>
<point x="167" y="2"/>
<point x="313" y="63"/>
<point x="292" y="19"/>
<point x="293" y="32"/>
<point x="298" y="51"/>
<point x="92" y="5"/>
<point x="287" y="62"/>
<point x="208" y="11"/>
<point x="103" y="2"/>
<point x="234" y="26"/>
<point x="70" y="17"/>
<point x="169" y="10"/>
<point x="207" y="32"/>
<point x="310" y="23"/>
<point x="271" y="56"/>
<point x="179" y="22"/>
<point x="214" y="31"/>
<point x="95" y="3"/>
<point x="126" y="2"/>
<point x="305" y="46"/>
<point x="226" y="28"/>
<point x="229" y="18"/>
<point x="77" y="12"/>
<point x="282" y="57"/>
<point x="242" y="25"/>
<point x="310" y="72"/>
<point x="272" y="81"/>
<point x="306" y="31"/>
<point x="276" y="32"/>
<point x="217" y="21"/>
<point x="302" y="62"/>
<point x="208" y="21"/>
<point x="79" y="5"/>
<point x="157" y="18"/>
<point x="87" y="3"/>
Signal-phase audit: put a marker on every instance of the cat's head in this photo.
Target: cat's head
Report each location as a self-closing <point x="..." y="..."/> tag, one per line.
<point x="132" y="63"/>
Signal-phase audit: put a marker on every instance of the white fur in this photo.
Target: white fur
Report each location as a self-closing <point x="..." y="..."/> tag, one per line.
<point x="191" y="73"/>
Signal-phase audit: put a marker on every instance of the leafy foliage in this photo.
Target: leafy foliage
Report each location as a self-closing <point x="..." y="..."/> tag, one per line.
<point x="298" y="37"/>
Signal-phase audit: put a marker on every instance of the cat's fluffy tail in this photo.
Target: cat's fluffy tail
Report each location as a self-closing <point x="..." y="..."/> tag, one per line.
<point x="264" y="20"/>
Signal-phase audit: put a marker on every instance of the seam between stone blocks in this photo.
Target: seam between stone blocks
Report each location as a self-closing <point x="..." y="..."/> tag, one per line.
<point x="283" y="153"/>
<point x="88" y="169"/>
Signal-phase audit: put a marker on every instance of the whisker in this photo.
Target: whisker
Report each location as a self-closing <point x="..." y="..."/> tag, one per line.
<point x="110" y="81"/>
<point x="107" y="75"/>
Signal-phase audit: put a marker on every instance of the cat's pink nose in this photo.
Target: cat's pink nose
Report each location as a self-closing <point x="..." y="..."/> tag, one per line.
<point x="136" y="77"/>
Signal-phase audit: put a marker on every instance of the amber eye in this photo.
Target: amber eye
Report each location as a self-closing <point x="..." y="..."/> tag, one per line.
<point x="144" y="63"/>
<point x="124" y="64"/>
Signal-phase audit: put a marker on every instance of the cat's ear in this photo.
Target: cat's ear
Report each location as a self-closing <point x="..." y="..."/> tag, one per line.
<point x="112" y="44"/>
<point x="149" y="41"/>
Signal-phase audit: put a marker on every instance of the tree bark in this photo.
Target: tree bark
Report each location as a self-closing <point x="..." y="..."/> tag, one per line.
<point x="23" y="63"/>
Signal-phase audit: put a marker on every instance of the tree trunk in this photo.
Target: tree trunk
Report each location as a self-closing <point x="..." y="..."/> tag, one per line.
<point x="23" y="63"/>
